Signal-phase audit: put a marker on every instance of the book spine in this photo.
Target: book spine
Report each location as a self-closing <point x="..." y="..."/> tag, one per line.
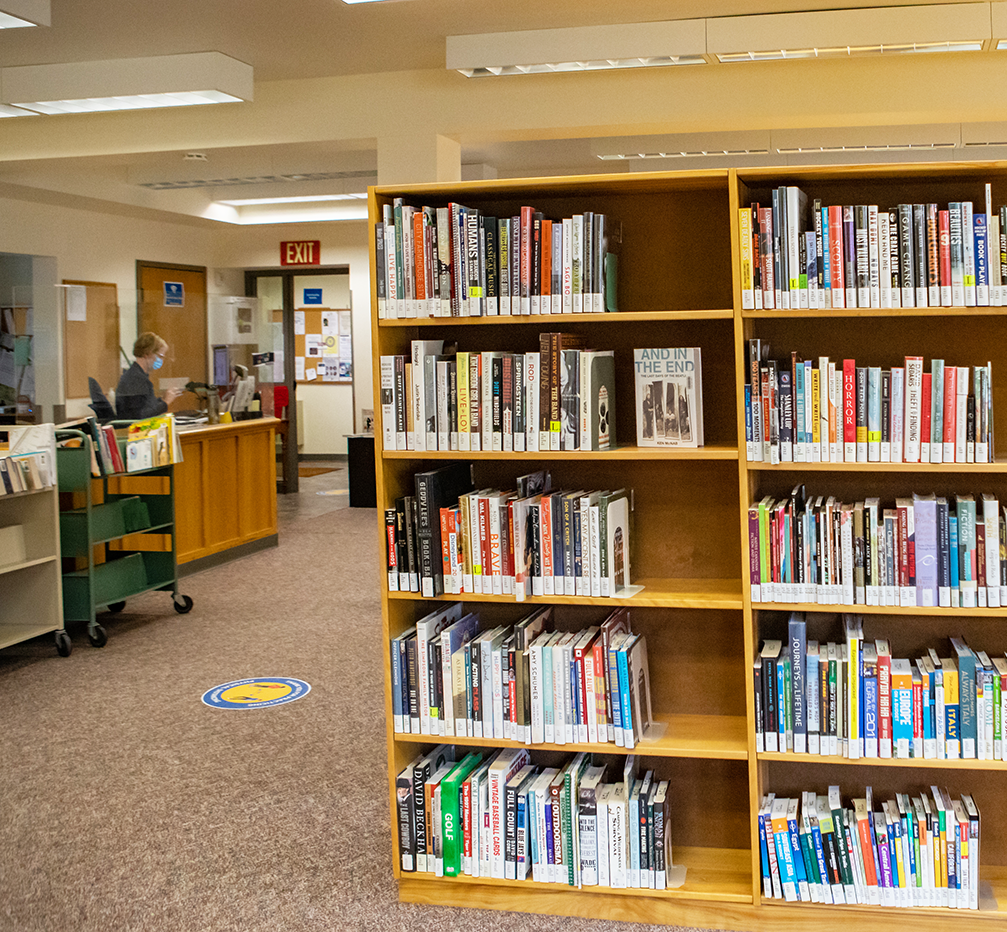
<point x="944" y="257"/>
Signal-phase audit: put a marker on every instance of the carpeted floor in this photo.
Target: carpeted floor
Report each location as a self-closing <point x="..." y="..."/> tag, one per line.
<point x="126" y="804"/>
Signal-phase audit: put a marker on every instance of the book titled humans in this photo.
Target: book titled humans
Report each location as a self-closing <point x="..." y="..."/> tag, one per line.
<point x="669" y="397"/>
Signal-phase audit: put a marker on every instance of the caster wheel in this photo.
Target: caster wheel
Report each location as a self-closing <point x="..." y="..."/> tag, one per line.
<point x="183" y="607"/>
<point x="97" y="636"/>
<point x="116" y="607"/>
<point x="64" y="646"/>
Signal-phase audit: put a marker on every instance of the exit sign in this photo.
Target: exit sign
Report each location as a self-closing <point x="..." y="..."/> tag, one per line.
<point x="306" y="252"/>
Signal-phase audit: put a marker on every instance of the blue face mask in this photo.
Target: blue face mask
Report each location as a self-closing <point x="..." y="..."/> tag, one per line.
<point x="158" y="362"/>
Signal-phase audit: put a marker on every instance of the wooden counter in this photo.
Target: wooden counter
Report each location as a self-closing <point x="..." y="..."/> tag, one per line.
<point x="225" y="488"/>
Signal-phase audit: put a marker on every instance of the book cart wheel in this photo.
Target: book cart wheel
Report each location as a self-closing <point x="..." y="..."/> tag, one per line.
<point x="97" y="636"/>
<point x="116" y="607"/>
<point x="64" y="646"/>
<point x="184" y="606"/>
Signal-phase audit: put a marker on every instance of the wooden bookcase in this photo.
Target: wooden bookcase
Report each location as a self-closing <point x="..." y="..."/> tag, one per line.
<point x="679" y="285"/>
<point x="884" y="337"/>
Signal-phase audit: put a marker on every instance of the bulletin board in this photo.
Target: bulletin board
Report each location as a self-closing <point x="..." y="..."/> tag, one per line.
<point x="323" y="345"/>
<point x="91" y="328"/>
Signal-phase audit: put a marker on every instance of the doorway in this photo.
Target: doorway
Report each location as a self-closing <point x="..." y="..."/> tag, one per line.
<point x="275" y="290"/>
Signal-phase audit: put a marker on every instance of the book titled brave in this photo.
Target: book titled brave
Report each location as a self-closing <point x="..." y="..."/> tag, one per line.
<point x="669" y="397"/>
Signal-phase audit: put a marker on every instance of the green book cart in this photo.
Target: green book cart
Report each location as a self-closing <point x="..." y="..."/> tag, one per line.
<point x="117" y="536"/>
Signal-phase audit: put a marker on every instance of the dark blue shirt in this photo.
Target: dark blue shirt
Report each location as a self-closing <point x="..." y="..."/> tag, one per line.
<point x="135" y="398"/>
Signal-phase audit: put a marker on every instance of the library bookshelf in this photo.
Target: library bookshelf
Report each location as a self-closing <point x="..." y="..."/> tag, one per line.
<point x="680" y="285"/>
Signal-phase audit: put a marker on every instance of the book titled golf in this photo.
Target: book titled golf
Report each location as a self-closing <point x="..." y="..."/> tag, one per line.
<point x="669" y="397"/>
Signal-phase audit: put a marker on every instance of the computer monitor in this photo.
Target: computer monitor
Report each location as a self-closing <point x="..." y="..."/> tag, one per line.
<point x="221" y="367"/>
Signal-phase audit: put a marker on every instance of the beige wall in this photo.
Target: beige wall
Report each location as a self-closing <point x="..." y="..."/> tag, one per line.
<point x="103" y="245"/>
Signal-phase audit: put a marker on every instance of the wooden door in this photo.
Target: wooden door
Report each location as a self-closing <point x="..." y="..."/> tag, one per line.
<point x="177" y="315"/>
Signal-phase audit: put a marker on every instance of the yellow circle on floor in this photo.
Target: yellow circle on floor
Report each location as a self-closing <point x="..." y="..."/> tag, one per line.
<point x="259" y="692"/>
<point x="263" y="691"/>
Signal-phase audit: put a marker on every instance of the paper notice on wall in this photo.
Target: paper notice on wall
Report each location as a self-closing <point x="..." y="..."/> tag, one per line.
<point x="298" y="369"/>
<point x="313" y="345"/>
<point x="76" y="302"/>
<point x="310" y="375"/>
<point x="278" y="367"/>
<point x="346" y="348"/>
<point x="345" y="320"/>
<point x="299" y="323"/>
<point x="329" y="324"/>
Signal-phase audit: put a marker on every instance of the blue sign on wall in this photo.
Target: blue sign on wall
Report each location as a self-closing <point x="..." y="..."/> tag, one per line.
<point x="313" y="296"/>
<point x="174" y="294"/>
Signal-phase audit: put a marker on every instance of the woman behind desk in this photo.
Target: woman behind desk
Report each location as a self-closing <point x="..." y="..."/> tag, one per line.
<point x="134" y="396"/>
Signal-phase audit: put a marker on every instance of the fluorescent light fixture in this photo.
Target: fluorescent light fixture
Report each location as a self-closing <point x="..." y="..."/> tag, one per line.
<point x="579" y="48"/>
<point x="681" y="145"/>
<point x="301" y="199"/>
<point x="842" y="33"/>
<point x="849" y="51"/>
<point x="699" y="153"/>
<point x="16" y="14"/>
<point x="190" y="79"/>
<point x="252" y="214"/>
<point x="607" y="64"/>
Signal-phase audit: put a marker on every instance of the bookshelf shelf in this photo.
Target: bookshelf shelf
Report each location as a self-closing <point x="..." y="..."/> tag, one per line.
<point x="870" y="469"/>
<point x="906" y="312"/>
<point x="912" y="763"/>
<point x="958" y="613"/>
<point x="14" y="567"/>
<point x="712" y="737"/>
<point x="632" y="452"/>
<point x="657" y="593"/>
<point x="539" y="320"/>
<point x="717" y="874"/>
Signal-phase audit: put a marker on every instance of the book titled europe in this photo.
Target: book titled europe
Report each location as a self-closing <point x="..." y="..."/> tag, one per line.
<point x="669" y="397"/>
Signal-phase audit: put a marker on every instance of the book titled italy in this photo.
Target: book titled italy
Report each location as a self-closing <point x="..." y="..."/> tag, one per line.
<point x="669" y="397"/>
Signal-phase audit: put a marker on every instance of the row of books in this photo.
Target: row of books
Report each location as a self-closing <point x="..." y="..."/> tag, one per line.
<point x="853" y="699"/>
<point x="921" y="850"/>
<point x="27" y="458"/>
<point x="810" y="411"/>
<point x="152" y="442"/>
<point x="149" y="443"/>
<point x="26" y="472"/>
<point x="860" y="256"/>
<point x="499" y="815"/>
<point x="457" y="261"/>
<point x="524" y="542"/>
<point x="559" y="398"/>
<point x="525" y="682"/>
<point x="924" y="551"/>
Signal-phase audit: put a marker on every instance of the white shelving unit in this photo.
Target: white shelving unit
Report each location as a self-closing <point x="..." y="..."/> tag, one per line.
<point x="32" y="602"/>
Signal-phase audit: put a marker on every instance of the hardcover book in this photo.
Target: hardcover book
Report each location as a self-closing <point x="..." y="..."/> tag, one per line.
<point x="669" y="397"/>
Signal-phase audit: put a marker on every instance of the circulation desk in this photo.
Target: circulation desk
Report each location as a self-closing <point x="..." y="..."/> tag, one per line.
<point x="225" y="492"/>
